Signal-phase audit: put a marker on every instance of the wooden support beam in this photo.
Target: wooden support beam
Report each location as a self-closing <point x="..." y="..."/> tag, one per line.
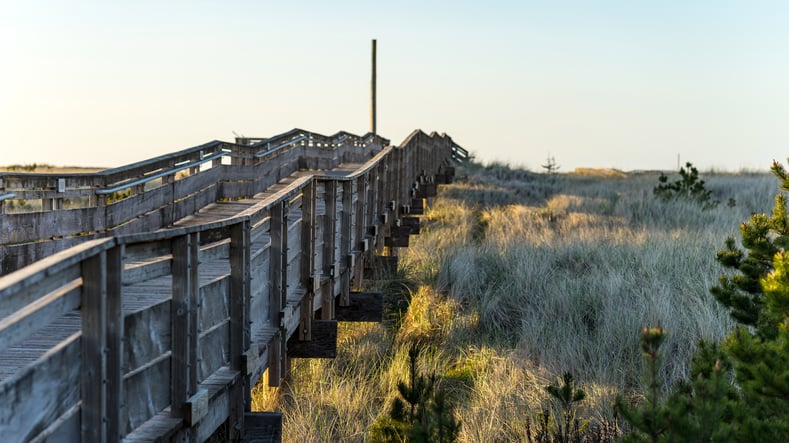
<point x="364" y="307"/>
<point x="322" y="345"/>
<point x="183" y="323"/>
<point x="410" y="222"/>
<point x="346" y="233"/>
<point x="262" y="427"/>
<point x="275" y="360"/>
<point x="94" y="341"/>
<point x="417" y="206"/>
<point x="307" y="272"/>
<point x="278" y="263"/>
<point x="115" y="327"/>
<point x="239" y="300"/>
<point x="396" y="242"/>
<point x="329" y="257"/>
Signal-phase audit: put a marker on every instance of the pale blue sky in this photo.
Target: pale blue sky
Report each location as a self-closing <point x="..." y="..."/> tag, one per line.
<point x="626" y="84"/>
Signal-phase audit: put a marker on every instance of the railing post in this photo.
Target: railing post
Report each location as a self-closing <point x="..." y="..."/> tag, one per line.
<point x="329" y="256"/>
<point x="308" y="277"/>
<point x="115" y="338"/>
<point x="278" y="272"/>
<point x="183" y="314"/>
<point x="360" y="212"/>
<point x="239" y="300"/>
<point x="101" y="343"/>
<point x="346" y="233"/>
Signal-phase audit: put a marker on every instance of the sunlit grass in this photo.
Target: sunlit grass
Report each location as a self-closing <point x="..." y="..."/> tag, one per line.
<point x="518" y="278"/>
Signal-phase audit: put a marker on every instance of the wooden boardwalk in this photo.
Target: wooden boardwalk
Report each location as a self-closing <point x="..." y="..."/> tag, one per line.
<point x="155" y="328"/>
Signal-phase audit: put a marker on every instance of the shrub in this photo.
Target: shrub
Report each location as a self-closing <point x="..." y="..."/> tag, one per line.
<point x="689" y="187"/>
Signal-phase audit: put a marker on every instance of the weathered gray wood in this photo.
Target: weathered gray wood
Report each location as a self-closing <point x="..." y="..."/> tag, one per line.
<point x="410" y="222"/>
<point x="42" y="392"/>
<point x="115" y="407"/>
<point x="38" y="314"/>
<point x="240" y="249"/>
<point x="183" y="322"/>
<point x="363" y="307"/>
<point x="281" y="252"/>
<point x="322" y="345"/>
<point x="147" y="392"/>
<point x="275" y="360"/>
<point x="329" y="234"/>
<point x="94" y="342"/>
<point x="307" y="252"/>
<point x="346" y="232"/>
<point x="26" y="285"/>
<point x="277" y="261"/>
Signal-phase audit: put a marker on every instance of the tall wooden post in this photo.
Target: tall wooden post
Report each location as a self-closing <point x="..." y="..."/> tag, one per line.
<point x="372" y="95"/>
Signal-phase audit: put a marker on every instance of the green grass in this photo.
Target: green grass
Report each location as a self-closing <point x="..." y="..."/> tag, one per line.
<point x="519" y="277"/>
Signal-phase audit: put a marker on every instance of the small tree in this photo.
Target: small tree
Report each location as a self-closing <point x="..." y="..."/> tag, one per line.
<point x="709" y="407"/>
<point x="550" y="166"/>
<point x="689" y="187"/>
<point x="421" y="413"/>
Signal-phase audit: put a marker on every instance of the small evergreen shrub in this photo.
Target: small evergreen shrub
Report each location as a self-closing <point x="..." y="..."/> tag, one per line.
<point x="688" y="188"/>
<point x="422" y="412"/>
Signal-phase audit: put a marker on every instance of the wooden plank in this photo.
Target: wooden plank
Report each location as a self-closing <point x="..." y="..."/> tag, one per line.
<point x="37" y="315"/>
<point x="263" y="427"/>
<point x="363" y="307"/>
<point x="322" y="345"/>
<point x="396" y="242"/>
<point x="22" y="287"/>
<point x="213" y="349"/>
<point x="147" y="392"/>
<point x="36" y="396"/>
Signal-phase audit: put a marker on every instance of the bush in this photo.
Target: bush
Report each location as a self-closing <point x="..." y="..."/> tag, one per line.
<point x="689" y="187"/>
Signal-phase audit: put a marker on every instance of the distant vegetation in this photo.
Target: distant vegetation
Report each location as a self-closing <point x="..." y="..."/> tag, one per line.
<point x="528" y="295"/>
<point x="48" y="169"/>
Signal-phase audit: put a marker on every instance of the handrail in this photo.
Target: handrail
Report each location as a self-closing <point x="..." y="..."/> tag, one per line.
<point x="146" y="179"/>
<point x="7" y="195"/>
<point x="280" y="146"/>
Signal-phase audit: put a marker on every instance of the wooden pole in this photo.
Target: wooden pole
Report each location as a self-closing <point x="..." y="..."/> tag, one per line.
<point x="372" y="95"/>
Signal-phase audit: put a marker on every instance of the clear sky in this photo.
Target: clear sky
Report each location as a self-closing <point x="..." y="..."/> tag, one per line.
<point x="629" y="84"/>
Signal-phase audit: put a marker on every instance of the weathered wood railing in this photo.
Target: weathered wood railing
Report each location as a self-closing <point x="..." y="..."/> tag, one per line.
<point x="158" y="335"/>
<point x="45" y="213"/>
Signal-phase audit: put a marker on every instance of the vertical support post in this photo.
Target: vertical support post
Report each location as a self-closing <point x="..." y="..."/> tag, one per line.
<point x="278" y="275"/>
<point x="361" y="223"/>
<point x="115" y="333"/>
<point x="307" y="259"/>
<point x="93" y="343"/>
<point x="373" y="92"/>
<point x="329" y="256"/>
<point x="277" y="251"/>
<point x="183" y="310"/>
<point x="345" y="243"/>
<point x="240" y="400"/>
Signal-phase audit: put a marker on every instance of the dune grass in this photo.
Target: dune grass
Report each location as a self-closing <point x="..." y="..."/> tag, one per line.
<point x="518" y="278"/>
